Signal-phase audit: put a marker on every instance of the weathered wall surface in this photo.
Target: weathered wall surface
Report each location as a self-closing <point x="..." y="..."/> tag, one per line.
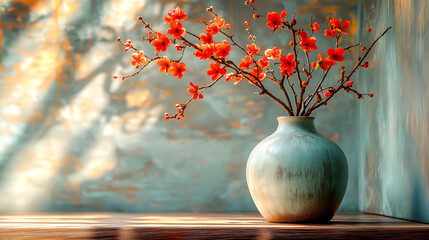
<point x="74" y="139"/>
<point x="394" y="132"/>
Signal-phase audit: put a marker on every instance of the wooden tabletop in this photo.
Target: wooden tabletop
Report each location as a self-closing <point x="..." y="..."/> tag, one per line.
<point x="200" y="226"/>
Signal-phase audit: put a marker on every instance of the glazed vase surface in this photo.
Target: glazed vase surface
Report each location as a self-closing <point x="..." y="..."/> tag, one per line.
<point x="296" y="174"/>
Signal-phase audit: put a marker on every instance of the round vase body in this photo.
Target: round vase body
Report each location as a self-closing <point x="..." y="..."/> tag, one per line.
<point x="296" y="174"/>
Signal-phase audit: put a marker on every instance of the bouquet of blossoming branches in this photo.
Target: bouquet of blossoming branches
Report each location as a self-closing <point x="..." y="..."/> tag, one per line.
<point x="256" y="66"/>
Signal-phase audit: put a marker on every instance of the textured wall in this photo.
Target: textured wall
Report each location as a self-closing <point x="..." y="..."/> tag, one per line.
<point x="74" y="139"/>
<point x="394" y="132"/>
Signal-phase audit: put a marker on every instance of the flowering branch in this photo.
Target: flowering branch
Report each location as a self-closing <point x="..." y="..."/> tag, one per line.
<point x="255" y="65"/>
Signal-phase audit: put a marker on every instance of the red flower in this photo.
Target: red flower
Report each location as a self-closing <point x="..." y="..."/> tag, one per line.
<point x="213" y="29"/>
<point x="138" y="59"/>
<point x="263" y="63"/>
<point x="238" y="79"/>
<point x="288" y="63"/>
<point x="328" y="94"/>
<point x="232" y="76"/>
<point x="205" y="52"/>
<point x="164" y="63"/>
<point x="324" y="63"/>
<point x="177" y="69"/>
<point x="349" y="83"/>
<point x="229" y="77"/>
<point x="220" y="22"/>
<point x="206" y="38"/>
<point x="340" y="27"/>
<point x="216" y="26"/>
<point x="215" y="70"/>
<point x="176" y="30"/>
<point x="253" y="49"/>
<point x="330" y="33"/>
<point x="194" y="91"/>
<point x="256" y="72"/>
<point x="245" y="63"/>
<point x="175" y="15"/>
<point x="316" y="27"/>
<point x="369" y="29"/>
<point x="222" y="49"/>
<point x="275" y="19"/>
<point x="304" y="84"/>
<point x="273" y="53"/>
<point x="307" y="43"/>
<point x="336" y="55"/>
<point x="161" y="43"/>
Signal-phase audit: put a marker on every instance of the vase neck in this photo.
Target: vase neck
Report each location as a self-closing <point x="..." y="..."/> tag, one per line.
<point x="296" y="123"/>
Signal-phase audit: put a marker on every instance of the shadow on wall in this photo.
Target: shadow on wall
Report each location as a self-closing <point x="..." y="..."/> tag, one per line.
<point x="74" y="139"/>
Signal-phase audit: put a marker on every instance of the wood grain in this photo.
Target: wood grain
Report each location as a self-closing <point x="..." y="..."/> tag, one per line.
<point x="200" y="226"/>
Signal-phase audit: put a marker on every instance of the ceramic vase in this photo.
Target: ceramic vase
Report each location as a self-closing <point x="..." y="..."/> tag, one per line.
<point x="296" y="174"/>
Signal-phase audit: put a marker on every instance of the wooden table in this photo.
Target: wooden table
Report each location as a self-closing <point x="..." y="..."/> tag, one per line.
<point x="200" y="226"/>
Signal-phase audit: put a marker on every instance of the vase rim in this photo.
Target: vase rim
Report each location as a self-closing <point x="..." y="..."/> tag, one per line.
<point x="294" y="118"/>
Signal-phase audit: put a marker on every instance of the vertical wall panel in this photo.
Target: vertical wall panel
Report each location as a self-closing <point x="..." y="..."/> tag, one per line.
<point x="394" y="129"/>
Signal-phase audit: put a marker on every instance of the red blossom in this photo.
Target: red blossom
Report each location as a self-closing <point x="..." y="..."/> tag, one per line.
<point x="336" y="55"/>
<point x="176" y="30"/>
<point x="256" y="72"/>
<point x="330" y="33"/>
<point x="194" y="91"/>
<point x="164" y="63"/>
<point x="307" y="43"/>
<point x="215" y="70"/>
<point x="316" y="27"/>
<point x="288" y="63"/>
<point x="222" y="49"/>
<point x="236" y="77"/>
<point x="273" y="53"/>
<point x="245" y="63"/>
<point x="138" y="59"/>
<point x="177" y="69"/>
<point x="229" y="77"/>
<point x="340" y="27"/>
<point x="177" y="46"/>
<point x="175" y="15"/>
<point x="206" y="51"/>
<point x="213" y="29"/>
<point x="253" y="49"/>
<point x="275" y="19"/>
<point x="349" y="83"/>
<point x="324" y="63"/>
<point x="206" y="38"/>
<point x="369" y="29"/>
<point x="304" y="84"/>
<point x="216" y="26"/>
<point x="220" y="22"/>
<point x="161" y="42"/>
<point x="328" y="94"/>
<point x="263" y="63"/>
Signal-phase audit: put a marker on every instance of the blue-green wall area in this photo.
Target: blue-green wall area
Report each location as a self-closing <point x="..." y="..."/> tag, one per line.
<point x="74" y="139"/>
<point x="394" y="129"/>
